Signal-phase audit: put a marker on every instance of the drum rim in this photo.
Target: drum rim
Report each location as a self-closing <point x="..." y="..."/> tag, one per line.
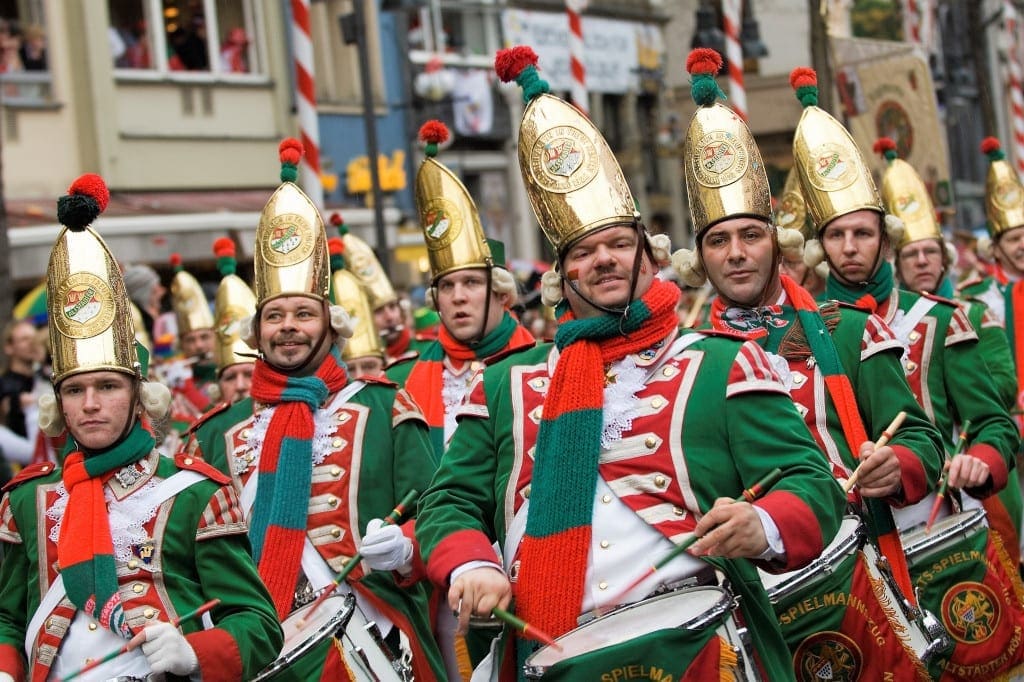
<point x="348" y="608"/>
<point x="845" y="549"/>
<point x="970" y="518"/>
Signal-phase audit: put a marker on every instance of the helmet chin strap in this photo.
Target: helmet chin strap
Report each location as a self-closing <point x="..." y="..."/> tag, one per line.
<point x="623" y="312"/>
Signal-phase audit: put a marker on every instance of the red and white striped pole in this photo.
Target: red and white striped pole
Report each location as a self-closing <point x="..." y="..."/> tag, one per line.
<point x="578" y="92"/>
<point x="305" y="99"/>
<point x="911" y="22"/>
<point x="1015" y="86"/>
<point x="732" y="11"/>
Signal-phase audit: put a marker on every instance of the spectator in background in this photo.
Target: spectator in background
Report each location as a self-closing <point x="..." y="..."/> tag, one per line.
<point x="24" y="357"/>
<point x="10" y="48"/>
<point x="146" y="292"/>
<point x="188" y="43"/>
<point x="33" y="48"/>
<point x="234" y="52"/>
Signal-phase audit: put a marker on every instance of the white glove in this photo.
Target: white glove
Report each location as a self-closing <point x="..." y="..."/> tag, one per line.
<point x="6" y="677"/>
<point x="385" y="548"/>
<point x="168" y="651"/>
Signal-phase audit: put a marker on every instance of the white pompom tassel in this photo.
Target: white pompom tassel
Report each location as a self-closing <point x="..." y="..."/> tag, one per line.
<point x="155" y="399"/>
<point x="551" y="288"/>
<point x="661" y="248"/>
<point x="895" y="229"/>
<point x="248" y="331"/>
<point x="791" y="243"/>
<point x="687" y="265"/>
<point x="51" y="421"/>
<point x="814" y="254"/>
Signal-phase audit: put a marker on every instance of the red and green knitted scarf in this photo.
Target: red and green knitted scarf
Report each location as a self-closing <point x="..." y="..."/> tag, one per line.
<point x="278" y="521"/>
<point x="837" y="383"/>
<point x="554" y="551"/>
<point x="85" y="550"/>
<point x="401" y="344"/>
<point x="426" y="379"/>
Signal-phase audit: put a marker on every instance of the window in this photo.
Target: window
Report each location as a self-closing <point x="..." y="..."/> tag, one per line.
<point x="24" y="67"/>
<point x="217" y="37"/>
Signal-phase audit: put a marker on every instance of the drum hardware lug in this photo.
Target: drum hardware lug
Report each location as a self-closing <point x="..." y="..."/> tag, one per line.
<point x="940" y="640"/>
<point x="367" y="668"/>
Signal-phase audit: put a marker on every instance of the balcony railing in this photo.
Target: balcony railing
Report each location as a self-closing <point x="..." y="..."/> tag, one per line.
<point x="26" y="89"/>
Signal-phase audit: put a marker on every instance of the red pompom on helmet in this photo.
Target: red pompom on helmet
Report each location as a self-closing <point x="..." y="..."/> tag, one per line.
<point x="883" y="145"/>
<point x="335" y="246"/>
<point x="803" y="76"/>
<point x="224" y="247"/>
<point x="510" y="62"/>
<point x="290" y="151"/>
<point x="703" y="60"/>
<point x="91" y="185"/>
<point x="434" y="132"/>
<point x="989" y="145"/>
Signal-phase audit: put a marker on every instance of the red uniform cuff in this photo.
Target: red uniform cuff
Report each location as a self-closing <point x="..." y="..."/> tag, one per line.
<point x="217" y="651"/>
<point x="912" y="478"/>
<point x="456" y="549"/>
<point x="798" y="526"/>
<point x="12" y="661"/>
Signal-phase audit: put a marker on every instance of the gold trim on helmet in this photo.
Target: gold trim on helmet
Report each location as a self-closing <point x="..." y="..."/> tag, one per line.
<point x="350" y="295"/>
<point x="906" y="197"/>
<point x="450" y="222"/>
<point x="189" y="303"/>
<point x="363" y="263"/>
<point x="235" y="303"/>
<point x="141" y="335"/>
<point x="833" y="176"/>
<point x="572" y="177"/>
<point x="725" y="176"/>
<point x="1004" y="198"/>
<point x="791" y="212"/>
<point x="90" y="320"/>
<point x="291" y="248"/>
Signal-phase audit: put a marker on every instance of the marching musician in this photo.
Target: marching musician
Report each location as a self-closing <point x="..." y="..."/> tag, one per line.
<point x="119" y="541"/>
<point x="588" y="458"/>
<point x="812" y="348"/>
<point x="320" y="458"/>
<point x="940" y="362"/>
<point x="364" y="350"/>
<point x="922" y="262"/>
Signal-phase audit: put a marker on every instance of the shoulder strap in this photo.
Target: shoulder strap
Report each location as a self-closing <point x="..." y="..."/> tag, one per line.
<point x="906" y="324"/>
<point x="46" y="606"/>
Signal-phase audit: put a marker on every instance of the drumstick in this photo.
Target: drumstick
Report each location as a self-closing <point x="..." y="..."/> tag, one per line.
<point x="749" y="495"/>
<point x="961" y="444"/>
<point x="528" y="631"/>
<point x="698" y="302"/>
<point x="136" y="641"/>
<point x="391" y="518"/>
<point x="882" y="440"/>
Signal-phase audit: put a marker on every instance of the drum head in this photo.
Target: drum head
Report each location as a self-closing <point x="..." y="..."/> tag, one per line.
<point x="331" y="616"/>
<point x="679" y="609"/>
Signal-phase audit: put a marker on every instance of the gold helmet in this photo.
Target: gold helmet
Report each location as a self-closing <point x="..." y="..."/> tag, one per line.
<point x="906" y="197"/>
<point x="362" y="262"/>
<point x="1004" y="196"/>
<point x="574" y="182"/>
<point x="725" y="177"/>
<point x="792" y="209"/>
<point x="291" y="246"/>
<point x="233" y="305"/>
<point x="90" y="320"/>
<point x="141" y="335"/>
<point x="834" y="178"/>
<point x="348" y="292"/>
<point x="188" y="300"/>
<point x="449" y="219"/>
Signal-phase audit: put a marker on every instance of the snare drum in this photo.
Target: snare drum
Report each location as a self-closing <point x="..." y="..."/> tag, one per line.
<point x="615" y="641"/>
<point x="945" y="533"/>
<point x="330" y="617"/>
<point x="798" y="594"/>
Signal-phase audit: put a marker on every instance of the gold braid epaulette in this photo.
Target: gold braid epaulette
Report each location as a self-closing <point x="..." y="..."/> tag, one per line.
<point x="794" y="344"/>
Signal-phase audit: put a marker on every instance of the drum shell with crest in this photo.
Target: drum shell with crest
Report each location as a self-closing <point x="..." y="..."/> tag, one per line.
<point x="804" y="598"/>
<point x="621" y="640"/>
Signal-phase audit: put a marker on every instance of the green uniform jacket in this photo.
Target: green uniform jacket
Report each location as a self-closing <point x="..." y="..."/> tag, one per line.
<point x="198" y="551"/>
<point x="379" y="433"/>
<point x="720" y="420"/>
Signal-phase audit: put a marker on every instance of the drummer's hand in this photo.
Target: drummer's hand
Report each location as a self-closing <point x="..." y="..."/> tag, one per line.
<point x="168" y="651"/>
<point x="476" y="592"/>
<point x="967" y="471"/>
<point x="880" y="474"/>
<point x="730" y="529"/>
<point x="386" y="548"/>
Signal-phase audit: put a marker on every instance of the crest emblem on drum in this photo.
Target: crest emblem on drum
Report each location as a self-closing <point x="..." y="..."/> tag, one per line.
<point x="828" y="655"/>
<point x="970" y="612"/>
